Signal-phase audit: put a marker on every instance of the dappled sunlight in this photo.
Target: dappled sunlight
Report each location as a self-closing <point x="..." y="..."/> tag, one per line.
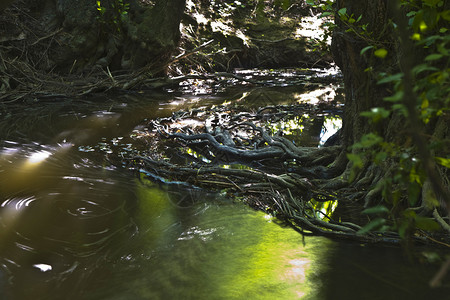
<point x="310" y="27"/>
<point x="327" y="93"/>
<point x="164" y="238"/>
<point x="197" y="155"/>
<point x="245" y="39"/>
<point x="221" y="27"/>
<point x="292" y="126"/>
<point x="193" y="149"/>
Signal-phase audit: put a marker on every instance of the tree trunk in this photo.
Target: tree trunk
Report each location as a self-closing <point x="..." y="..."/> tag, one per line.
<point x="362" y="92"/>
<point x="115" y="34"/>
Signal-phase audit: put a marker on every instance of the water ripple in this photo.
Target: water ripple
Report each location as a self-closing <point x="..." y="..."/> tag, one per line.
<point x="18" y="203"/>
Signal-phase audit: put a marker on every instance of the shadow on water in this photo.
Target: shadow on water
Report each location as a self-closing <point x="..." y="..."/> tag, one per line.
<point x="73" y="226"/>
<point x="59" y="215"/>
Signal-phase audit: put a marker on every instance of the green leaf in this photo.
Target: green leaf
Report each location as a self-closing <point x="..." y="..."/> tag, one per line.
<point x="391" y="78"/>
<point x="434" y="56"/>
<point x="430" y="17"/>
<point x="381" y="53"/>
<point x="397" y="97"/>
<point x="367" y="141"/>
<point x="425" y="104"/>
<point x="426" y="223"/>
<point x="418" y="18"/>
<point x="375" y="210"/>
<point x="446" y="15"/>
<point x="376" y="114"/>
<point x="430" y="40"/>
<point x="443" y="161"/>
<point x="409" y="213"/>
<point x="371" y="226"/>
<point x="413" y="193"/>
<point x="325" y="14"/>
<point x="355" y="159"/>
<point x="422" y="68"/>
<point x="401" y="108"/>
<point x="441" y="48"/>
<point x="431" y="3"/>
<point x="380" y="157"/>
<point x="342" y="11"/>
<point x="416" y="37"/>
<point x="365" y="49"/>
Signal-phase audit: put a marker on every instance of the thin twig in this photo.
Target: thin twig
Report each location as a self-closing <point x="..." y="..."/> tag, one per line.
<point x="47" y="36"/>
<point x="189" y="53"/>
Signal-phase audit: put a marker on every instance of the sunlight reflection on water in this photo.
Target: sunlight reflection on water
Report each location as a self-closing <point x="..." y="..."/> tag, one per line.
<point x="39" y="156"/>
<point x="330" y="126"/>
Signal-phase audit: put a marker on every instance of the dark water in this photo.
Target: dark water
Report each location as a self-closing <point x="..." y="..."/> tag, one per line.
<point x="73" y="226"/>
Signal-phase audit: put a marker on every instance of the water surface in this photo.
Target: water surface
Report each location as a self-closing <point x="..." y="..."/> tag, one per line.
<point x="75" y="226"/>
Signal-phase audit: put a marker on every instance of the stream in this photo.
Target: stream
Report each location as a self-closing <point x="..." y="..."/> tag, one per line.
<point x="75" y="226"/>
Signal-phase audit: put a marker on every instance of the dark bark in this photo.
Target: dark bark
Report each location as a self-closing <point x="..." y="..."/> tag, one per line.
<point x="157" y="35"/>
<point x="362" y="92"/>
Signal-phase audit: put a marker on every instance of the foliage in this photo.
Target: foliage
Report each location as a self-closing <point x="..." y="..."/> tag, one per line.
<point x="115" y="15"/>
<point x="402" y="188"/>
<point x="432" y="87"/>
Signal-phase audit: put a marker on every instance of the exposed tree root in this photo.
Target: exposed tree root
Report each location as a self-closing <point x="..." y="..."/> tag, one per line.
<point x="234" y="151"/>
<point x="285" y="196"/>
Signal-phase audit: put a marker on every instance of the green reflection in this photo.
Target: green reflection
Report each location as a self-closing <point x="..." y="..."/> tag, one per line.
<point x="273" y="266"/>
<point x="288" y="126"/>
<point x="217" y="251"/>
<point x="155" y="211"/>
<point x="323" y="209"/>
